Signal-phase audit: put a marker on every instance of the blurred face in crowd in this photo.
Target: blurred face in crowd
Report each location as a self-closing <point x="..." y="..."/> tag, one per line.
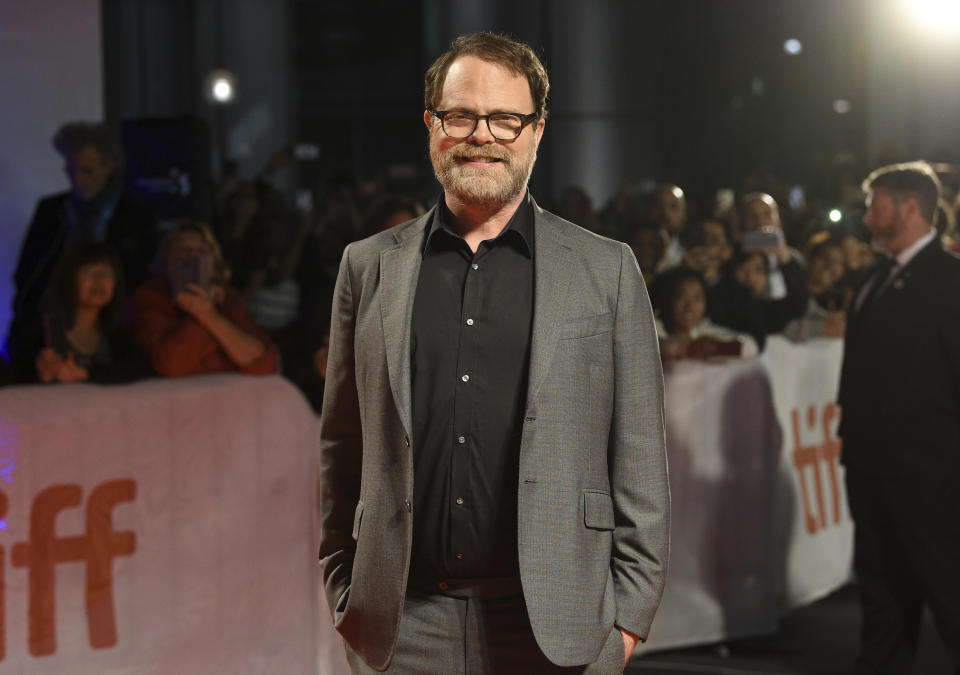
<point x="96" y="283"/>
<point x="479" y="169"/>
<point x="752" y="273"/>
<point x="758" y="214"/>
<point x="649" y="247"/>
<point x="669" y="209"/>
<point x="689" y="306"/>
<point x="189" y="245"/>
<point x="857" y="254"/>
<point x="708" y="258"/>
<point x="89" y="172"/>
<point x="886" y="220"/>
<point x="825" y="269"/>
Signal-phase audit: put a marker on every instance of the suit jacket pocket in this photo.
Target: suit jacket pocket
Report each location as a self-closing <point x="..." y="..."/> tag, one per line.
<point x="357" y="517"/>
<point x="585" y="326"/>
<point x="597" y="510"/>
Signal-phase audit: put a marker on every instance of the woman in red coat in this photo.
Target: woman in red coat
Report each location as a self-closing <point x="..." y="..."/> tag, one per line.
<point x="189" y="320"/>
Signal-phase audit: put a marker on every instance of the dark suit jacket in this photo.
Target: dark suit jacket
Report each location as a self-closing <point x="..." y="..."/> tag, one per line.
<point x="900" y="382"/>
<point x="593" y="504"/>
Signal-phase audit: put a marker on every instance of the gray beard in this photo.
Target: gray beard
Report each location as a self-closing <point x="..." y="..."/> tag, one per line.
<point x="473" y="187"/>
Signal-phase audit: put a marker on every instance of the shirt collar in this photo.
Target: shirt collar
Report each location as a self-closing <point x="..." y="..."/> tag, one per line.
<point x="907" y="254"/>
<point x="519" y="227"/>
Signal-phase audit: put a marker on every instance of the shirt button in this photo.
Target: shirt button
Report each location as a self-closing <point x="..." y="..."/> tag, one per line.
<point x="465" y="378"/>
<point x="459" y="501"/>
<point x="462" y="439"/>
<point x="459" y="556"/>
<point x="469" y="322"/>
<point x="475" y="266"/>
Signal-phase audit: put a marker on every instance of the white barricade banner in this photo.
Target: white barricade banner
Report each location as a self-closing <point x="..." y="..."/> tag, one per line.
<point x="163" y="527"/>
<point x="760" y="522"/>
<point x="817" y="528"/>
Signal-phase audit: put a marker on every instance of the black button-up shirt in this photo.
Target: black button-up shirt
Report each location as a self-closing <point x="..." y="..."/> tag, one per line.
<point x="470" y="353"/>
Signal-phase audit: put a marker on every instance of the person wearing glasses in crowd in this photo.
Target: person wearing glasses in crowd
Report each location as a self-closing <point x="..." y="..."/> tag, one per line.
<point x="494" y="489"/>
<point x="79" y="337"/>
<point x="95" y="209"/>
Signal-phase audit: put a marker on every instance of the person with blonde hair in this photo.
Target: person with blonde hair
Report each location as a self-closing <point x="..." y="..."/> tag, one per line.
<point x="189" y="320"/>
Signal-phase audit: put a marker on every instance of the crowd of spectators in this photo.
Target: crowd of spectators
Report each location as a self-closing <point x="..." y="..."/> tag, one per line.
<point x="251" y="291"/>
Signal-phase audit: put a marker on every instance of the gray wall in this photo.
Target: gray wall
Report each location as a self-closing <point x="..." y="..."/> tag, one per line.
<point x="50" y="70"/>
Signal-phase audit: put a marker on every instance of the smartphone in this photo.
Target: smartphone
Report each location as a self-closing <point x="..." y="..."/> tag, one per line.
<point x="762" y="240"/>
<point x="186" y="270"/>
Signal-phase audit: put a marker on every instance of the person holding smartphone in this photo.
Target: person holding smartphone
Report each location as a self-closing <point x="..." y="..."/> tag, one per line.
<point x="189" y="320"/>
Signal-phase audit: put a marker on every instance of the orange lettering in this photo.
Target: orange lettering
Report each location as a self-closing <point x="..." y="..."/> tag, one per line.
<point x="97" y="548"/>
<point x="41" y="554"/>
<point x="103" y="545"/>
<point x="809" y="457"/>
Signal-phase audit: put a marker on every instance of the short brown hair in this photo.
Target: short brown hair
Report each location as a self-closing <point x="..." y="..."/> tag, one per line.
<point x="221" y="272"/>
<point x="908" y="179"/>
<point x="516" y="57"/>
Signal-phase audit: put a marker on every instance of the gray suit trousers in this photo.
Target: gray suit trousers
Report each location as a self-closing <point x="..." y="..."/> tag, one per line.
<point x="441" y="634"/>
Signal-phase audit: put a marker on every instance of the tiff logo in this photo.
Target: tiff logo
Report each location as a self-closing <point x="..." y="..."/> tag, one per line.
<point x="810" y="459"/>
<point x="97" y="548"/>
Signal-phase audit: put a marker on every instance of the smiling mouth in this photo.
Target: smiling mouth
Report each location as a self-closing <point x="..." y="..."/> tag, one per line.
<point x="479" y="160"/>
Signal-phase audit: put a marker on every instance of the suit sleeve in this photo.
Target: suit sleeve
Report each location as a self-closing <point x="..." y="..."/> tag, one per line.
<point x="637" y="458"/>
<point x="341" y="448"/>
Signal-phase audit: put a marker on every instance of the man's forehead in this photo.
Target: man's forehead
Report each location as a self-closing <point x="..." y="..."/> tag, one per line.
<point x="470" y="77"/>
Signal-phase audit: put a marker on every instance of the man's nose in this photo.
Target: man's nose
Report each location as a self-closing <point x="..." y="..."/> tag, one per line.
<point x="481" y="135"/>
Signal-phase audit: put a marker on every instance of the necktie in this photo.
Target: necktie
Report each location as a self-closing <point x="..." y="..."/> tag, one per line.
<point x="878" y="281"/>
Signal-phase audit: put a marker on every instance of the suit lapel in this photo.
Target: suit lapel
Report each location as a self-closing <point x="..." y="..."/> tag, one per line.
<point x="399" y="271"/>
<point x="551" y="282"/>
<point x="902" y="280"/>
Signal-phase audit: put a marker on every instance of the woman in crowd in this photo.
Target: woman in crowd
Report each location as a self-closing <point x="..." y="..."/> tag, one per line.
<point x="189" y="320"/>
<point x="751" y="268"/>
<point x="80" y="338"/>
<point x="683" y="326"/>
<point x="826" y="308"/>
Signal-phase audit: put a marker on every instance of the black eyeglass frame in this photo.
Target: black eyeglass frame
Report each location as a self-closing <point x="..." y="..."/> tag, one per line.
<point x="524" y="121"/>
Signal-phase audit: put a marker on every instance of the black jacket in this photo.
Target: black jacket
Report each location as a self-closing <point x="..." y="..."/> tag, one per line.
<point x="900" y="381"/>
<point x="130" y="229"/>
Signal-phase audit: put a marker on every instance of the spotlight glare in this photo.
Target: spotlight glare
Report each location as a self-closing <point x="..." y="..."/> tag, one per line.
<point x="842" y="106"/>
<point x="835" y="215"/>
<point x="793" y="47"/>
<point x="222" y="91"/>
<point x="220" y="87"/>
<point x="941" y="17"/>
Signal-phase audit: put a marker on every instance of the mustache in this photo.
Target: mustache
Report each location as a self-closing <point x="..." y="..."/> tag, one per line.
<point x="469" y="151"/>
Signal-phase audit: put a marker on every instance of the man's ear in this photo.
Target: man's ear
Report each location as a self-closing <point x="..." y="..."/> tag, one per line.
<point x="427" y="117"/>
<point x="538" y="133"/>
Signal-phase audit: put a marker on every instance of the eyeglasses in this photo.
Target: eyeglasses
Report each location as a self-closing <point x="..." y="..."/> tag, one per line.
<point x="503" y="126"/>
<point x="96" y="271"/>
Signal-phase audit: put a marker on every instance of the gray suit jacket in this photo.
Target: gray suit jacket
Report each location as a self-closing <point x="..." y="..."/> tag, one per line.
<point x="593" y="505"/>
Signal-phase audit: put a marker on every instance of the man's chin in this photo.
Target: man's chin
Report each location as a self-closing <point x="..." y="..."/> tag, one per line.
<point x="481" y="192"/>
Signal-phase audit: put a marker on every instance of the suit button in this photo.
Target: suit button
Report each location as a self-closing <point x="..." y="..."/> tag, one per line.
<point x="459" y="501"/>
<point x="406" y="502"/>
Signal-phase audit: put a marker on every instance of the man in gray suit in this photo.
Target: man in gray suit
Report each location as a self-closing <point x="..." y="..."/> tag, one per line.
<point x="494" y="486"/>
